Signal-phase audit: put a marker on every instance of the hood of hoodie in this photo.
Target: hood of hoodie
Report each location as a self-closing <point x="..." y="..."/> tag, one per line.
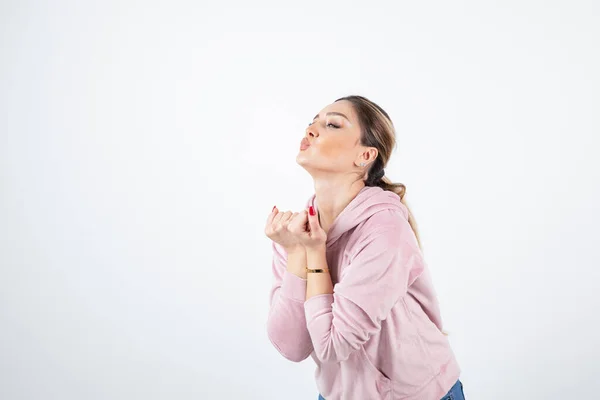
<point x="370" y="200"/>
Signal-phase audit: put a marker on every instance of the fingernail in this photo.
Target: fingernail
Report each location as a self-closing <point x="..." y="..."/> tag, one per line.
<point x="311" y="210"/>
<point x="273" y="208"/>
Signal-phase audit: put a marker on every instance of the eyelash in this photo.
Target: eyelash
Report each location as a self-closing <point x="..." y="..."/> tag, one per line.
<point x="333" y="125"/>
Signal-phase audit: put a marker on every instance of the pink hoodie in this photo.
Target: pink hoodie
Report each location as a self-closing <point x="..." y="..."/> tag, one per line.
<point x="378" y="336"/>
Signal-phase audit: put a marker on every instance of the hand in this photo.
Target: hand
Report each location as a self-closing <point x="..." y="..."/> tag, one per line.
<point x="307" y="230"/>
<point x="277" y="229"/>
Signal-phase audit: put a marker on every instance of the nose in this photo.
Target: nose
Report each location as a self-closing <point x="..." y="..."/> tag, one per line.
<point x="311" y="131"/>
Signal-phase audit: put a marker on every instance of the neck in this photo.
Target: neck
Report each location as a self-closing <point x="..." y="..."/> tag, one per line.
<point x="333" y="197"/>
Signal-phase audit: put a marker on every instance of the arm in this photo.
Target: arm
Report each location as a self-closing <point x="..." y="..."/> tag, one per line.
<point x="382" y="267"/>
<point x="317" y="283"/>
<point x="286" y="325"/>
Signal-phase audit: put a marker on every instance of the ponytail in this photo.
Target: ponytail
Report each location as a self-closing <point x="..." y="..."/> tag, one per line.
<point x="400" y="190"/>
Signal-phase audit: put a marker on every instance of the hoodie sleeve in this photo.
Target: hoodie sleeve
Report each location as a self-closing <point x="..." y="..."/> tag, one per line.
<point x="382" y="267"/>
<point x="286" y="325"/>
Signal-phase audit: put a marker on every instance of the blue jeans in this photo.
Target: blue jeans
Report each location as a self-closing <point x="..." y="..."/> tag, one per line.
<point x="455" y="393"/>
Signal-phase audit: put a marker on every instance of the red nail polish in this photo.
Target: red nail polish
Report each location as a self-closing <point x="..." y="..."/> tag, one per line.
<point x="311" y="210"/>
<point x="273" y="208"/>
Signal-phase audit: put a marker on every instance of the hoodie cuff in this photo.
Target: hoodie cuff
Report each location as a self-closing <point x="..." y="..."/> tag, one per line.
<point x="293" y="287"/>
<point x="317" y="305"/>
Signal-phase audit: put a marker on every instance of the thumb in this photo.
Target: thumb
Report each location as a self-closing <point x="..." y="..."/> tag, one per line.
<point x="313" y="219"/>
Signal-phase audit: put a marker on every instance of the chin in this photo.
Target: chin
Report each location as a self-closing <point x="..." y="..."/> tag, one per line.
<point x="302" y="161"/>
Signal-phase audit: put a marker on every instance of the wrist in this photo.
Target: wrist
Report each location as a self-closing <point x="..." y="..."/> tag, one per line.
<point x="316" y="257"/>
<point x="294" y="249"/>
<point x="316" y="250"/>
<point x="296" y="261"/>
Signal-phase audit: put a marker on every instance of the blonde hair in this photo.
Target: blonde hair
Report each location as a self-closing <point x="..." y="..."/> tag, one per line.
<point x="377" y="130"/>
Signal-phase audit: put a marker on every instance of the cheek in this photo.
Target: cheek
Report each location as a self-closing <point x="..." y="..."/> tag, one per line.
<point x="333" y="148"/>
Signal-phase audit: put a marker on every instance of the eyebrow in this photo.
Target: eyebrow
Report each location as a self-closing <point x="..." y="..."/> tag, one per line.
<point x="333" y="113"/>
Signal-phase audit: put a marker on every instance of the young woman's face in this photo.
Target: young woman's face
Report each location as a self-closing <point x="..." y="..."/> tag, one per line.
<point x="333" y="138"/>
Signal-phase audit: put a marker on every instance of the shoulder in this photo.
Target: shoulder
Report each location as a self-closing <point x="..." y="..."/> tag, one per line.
<point x="388" y="227"/>
<point x="387" y="220"/>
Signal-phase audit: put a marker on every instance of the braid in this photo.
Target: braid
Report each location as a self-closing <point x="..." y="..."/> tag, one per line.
<point x="376" y="174"/>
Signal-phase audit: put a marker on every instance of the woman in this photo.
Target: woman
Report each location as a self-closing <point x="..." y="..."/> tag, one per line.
<point x="378" y="335"/>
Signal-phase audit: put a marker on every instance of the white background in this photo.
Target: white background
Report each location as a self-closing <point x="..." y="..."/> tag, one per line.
<point x="142" y="145"/>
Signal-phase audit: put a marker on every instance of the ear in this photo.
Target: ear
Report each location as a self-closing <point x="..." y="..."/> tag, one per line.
<point x="367" y="156"/>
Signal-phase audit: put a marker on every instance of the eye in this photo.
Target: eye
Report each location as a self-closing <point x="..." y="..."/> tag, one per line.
<point x="329" y="125"/>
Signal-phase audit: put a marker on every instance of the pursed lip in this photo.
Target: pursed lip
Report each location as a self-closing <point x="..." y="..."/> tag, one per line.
<point x="304" y="144"/>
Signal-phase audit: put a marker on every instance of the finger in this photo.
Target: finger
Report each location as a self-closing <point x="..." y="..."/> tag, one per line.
<point x="287" y="216"/>
<point x="295" y="221"/>
<point x="272" y="215"/>
<point x="282" y="218"/>
<point x="313" y="221"/>
<point x="303" y="221"/>
<point x="293" y="218"/>
<point x="277" y="218"/>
